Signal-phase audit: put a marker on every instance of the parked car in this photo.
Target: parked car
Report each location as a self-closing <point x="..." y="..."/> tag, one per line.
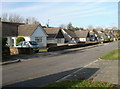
<point x="29" y="44"/>
<point x="72" y="41"/>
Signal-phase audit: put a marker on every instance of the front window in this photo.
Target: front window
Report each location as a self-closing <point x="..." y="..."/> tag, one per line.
<point x="20" y="44"/>
<point x="38" y="39"/>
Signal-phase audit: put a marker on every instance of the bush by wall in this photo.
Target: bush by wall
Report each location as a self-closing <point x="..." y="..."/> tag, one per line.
<point x="5" y="49"/>
<point x="20" y="39"/>
<point x="5" y="52"/>
<point x="4" y="42"/>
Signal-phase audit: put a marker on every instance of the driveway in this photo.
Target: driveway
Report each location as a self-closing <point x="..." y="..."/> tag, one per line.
<point x="41" y="70"/>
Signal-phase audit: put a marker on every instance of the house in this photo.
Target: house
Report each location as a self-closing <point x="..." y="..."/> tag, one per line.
<point x="10" y="31"/>
<point x="99" y="36"/>
<point x="83" y="36"/>
<point x="102" y="36"/>
<point x="92" y="36"/>
<point x="55" y="35"/>
<point x="31" y="32"/>
<point x="69" y="35"/>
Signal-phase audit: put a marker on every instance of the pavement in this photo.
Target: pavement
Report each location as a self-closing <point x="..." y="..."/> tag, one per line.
<point x="104" y="70"/>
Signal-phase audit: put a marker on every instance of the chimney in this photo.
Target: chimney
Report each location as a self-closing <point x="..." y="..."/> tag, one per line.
<point x="47" y="25"/>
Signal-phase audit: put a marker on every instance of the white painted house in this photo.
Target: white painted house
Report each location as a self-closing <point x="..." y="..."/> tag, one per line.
<point x="83" y="36"/>
<point x="31" y="32"/>
<point x="69" y="35"/>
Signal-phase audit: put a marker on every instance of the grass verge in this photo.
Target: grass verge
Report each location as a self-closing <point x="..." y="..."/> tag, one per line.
<point x="80" y="84"/>
<point x="43" y="50"/>
<point x="113" y="55"/>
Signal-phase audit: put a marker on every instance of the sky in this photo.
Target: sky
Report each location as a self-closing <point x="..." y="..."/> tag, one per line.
<point x="80" y="14"/>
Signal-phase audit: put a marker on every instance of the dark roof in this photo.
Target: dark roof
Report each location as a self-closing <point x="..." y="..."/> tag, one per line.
<point x="27" y="29"/>
<point x="96" y="32"/>
<point x="12" y="23"/>
<point x="51" y="32"/>
<point x="70" y="32"/>
<point x="82" y="34"/>
<point x="60" y="34"/>
<point x="9" y="29"/>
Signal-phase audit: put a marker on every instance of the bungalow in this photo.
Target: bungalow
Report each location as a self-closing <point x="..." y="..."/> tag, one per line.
<point x="10" y="31"/>
<point x="55" y="35"/>
<point x="31" y="32"/>
<point x="83" y="35"/>
<point x="92" y="36"/>
<point x="99" y="36"/>
<point x="69" y="35"/>
<point x="102" y="36"/>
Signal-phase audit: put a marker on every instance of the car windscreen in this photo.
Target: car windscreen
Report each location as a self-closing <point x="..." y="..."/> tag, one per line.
<point x="33" y="43"/>
<point x="19" y="44"/>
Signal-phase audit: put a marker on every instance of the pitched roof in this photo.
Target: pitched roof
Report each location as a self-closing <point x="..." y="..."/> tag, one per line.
<point x="70" y="32"/>
<point x="60" y="34"/>
<point x="101" y="34"/>
<point x="27" y="29"/>
<point x="51" y="32"/>
<point x="82" y="34"/>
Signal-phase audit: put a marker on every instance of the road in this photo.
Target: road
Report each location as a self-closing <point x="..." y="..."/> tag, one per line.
<point x="40" y="71"/>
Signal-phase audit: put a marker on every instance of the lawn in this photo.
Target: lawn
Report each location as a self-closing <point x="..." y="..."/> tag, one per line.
<point x="80" y="84"/>
<point x="43" y="50"/>
<point x="113" y="55"/>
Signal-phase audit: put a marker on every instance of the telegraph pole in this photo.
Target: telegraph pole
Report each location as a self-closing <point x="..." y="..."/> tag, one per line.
<point x="48" y="22"/>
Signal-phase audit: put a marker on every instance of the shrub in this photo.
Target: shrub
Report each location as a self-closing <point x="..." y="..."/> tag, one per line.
<point x="4" y="42"/>
<point x="111" y="39"/>
<point x="20" y="39"/>
<point x="106" y="39"/>
<point x="5" y="49"/>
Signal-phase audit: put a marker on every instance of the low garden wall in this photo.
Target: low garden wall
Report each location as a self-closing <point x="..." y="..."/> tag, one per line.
<point x="25" y="50"/>
<point x="15" y="50"/>
<point x="58" y="48"/>
<point x="51" y="45"/>
<point x="5" y="52"/>
<point x="50" y="49"/>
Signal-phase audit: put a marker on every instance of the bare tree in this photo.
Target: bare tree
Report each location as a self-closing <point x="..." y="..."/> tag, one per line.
<point x="10" y="18"/>
<point x="62" y="26"/>
<point x="69" y="26"/>
<point x="4" y="17"/>
<point x="28" y="20"/>
<point x="90" y="26"/>
<point x="99" y="28"/>
<point x="31" y="20"/>
<point x="17" y="18"/>
<point x="114" y="28"/>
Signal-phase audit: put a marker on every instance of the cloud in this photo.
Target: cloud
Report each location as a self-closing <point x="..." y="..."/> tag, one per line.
<point x="63" y="12"/>
<point x="25" y="10"/>
<point x="60" y="0"/>
<point x="86" y="11"/>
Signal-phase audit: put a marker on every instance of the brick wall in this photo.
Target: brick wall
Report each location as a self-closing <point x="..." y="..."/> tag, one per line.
<point x="13" y="51"/>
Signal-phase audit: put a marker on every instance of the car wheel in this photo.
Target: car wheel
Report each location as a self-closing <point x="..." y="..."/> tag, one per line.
<point x="37" y="51"/>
